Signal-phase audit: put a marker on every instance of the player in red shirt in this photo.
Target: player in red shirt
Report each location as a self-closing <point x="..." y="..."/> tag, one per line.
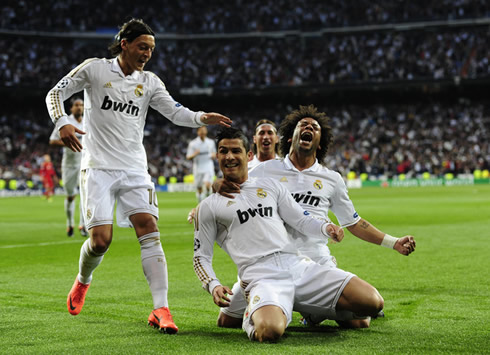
<point x="48" y="176"/>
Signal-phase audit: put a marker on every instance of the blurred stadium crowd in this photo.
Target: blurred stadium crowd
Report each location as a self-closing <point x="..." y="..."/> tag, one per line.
<point x="380" y="139"/>
<point x="190" y="16"/>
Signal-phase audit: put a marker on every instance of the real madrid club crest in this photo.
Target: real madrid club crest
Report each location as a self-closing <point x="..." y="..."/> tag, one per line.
<point x="261" y="193"/>
<point x="256" y="299"/>
<point x="139" y="90"/>
<point x="318" y="185"/>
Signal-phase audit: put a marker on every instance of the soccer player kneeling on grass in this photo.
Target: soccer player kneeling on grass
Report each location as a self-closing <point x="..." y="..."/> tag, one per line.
<point x="275" y="277"/>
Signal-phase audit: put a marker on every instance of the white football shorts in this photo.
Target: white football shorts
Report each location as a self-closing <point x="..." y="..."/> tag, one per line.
<point x="71" y="179"/>
<point x="291" y="281"/>
<point x="238" y="303"/>
<point x="200" y="179"/>
<point x="134" y="193"/>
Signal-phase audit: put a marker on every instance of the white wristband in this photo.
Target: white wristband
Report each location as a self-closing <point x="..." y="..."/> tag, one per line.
<point x="324" y="229"/>
<point x="389" y="241"/>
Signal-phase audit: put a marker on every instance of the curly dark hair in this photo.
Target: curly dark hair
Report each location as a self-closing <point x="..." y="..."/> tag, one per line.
<point x="129" y="31"/>
<point x="289" y="123"/>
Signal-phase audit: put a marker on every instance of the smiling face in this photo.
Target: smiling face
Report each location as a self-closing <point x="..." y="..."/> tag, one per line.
<point x="137" y="53"/>
<point x="233" y="159"/>
<point x="266" y="139"/>
<point x="306" y="136"/>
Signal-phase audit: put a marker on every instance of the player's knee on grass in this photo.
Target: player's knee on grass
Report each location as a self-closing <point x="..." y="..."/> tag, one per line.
<point x="270" y="323"/>
<point x="361" y="298"/>
<point x="225" y="321"/>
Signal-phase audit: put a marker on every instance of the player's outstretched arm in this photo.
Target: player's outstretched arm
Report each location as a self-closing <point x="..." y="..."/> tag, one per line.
<point x="369" y="233"/>
<point x="211" y="118"/>
<point x="220" y="295"/>
<point x="69" y="138"/>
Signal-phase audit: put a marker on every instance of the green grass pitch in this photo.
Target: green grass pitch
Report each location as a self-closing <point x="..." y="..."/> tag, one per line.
<point x="436" y="300"/>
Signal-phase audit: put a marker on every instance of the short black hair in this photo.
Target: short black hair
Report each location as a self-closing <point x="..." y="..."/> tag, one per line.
<point x="129" y="31"/>
<point x="289" y="123"/>
<point x="75" y="99"/>
<point x="232" y="133"/>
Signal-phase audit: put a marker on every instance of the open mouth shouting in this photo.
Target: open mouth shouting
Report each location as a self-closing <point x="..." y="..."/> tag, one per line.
<point x="306" y="137"/>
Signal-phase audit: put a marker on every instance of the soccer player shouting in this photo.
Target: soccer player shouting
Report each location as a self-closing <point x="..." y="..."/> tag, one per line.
<point x="305" y="138"/>
<point x="275" y="277"/>
<point x="118" y="94"/>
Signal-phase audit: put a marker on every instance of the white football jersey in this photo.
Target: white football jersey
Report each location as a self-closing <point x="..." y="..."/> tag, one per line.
<point x="70" y="158"/>
<point x="115" y="108"/>
<point x="203" y="162"/>
<point x="318" y="190"/>
<point x="248" y="227"/>
<point x="255" y="161"/>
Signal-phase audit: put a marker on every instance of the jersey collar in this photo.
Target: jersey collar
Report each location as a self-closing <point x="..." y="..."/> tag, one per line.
<point x="290" y="166"/>
<point x="115" y="67"/>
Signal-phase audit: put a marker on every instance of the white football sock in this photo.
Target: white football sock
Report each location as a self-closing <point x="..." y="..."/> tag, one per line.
<point x="155" y="268"/>
<point x="89" y="260"/>
<point x="70" y="211"/>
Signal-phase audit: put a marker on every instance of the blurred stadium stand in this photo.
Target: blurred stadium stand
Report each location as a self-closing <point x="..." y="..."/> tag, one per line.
<point x="405" y="83"/>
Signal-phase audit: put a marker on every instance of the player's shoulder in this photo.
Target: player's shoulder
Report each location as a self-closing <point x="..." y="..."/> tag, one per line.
<point x="152" y="78"/>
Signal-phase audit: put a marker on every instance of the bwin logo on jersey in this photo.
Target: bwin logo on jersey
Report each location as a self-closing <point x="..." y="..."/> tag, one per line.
<point x="243" y="216"/>
<point x="128" y="108"/>
<point x="307" y="199"/>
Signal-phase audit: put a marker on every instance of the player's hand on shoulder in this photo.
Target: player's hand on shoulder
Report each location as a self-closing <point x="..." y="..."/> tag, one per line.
<point x="405" y="245"/>
<point x="220" y="295"/>
<point x="216" y="118"/>
<point x="335" y="232"/>
<point x="68" y="136"/>
<point x="226" y="188"/>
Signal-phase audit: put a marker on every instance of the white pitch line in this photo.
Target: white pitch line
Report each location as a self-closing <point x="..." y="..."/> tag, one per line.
<point x="43" y="244"/>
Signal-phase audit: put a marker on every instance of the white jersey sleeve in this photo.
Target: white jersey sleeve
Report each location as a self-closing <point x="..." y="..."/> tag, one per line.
<point x="205" y="233"/>
<point x="172" y="110"/>
<point x="341" y="204"/>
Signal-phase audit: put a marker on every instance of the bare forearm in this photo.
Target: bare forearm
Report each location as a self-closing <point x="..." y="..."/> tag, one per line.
<point x="367" y="232"/>
<point x="57" y="142"/>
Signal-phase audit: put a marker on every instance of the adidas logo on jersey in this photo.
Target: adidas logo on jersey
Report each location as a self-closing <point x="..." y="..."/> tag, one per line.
<point x="307" y="199"/>
<point x="128" y="108"/>
<point x="108" y="85"/>
<point x="243" y="216"/>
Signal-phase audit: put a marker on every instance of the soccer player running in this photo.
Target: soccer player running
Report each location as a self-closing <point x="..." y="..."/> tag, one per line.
<point x="70" y="168"/>
<point x="118" y="94"/>
<point x="274" y="275"/>
<point x="48" y="177"/>
<point x="202" y="151"/>
<point x="305" y="138"/>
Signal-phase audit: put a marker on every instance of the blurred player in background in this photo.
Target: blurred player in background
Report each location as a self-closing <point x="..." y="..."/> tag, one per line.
<point x="305" y="138"/>
<point x="265" y="142"/>
<point x="70" y="168"/>
<point x="118" y="94"/>
<point x="274" y="276"/>
<point x="48" y="177"/>
<point x="202" y="152"/>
